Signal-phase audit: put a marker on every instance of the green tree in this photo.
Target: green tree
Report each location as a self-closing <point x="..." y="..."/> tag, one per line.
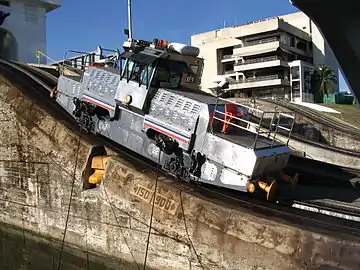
<point x="322" y="79"/>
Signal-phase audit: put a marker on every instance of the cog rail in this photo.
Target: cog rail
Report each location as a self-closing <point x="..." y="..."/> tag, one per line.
<point x="336" y="210"/>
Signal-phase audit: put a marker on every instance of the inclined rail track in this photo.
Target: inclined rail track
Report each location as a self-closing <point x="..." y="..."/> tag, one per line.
<point x="318" y="118"/>
<point x="336" y="216"/>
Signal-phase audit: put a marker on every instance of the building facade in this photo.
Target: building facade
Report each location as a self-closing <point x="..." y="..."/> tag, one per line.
<point x="23" y="32"/>
<point x="261" y="59"/>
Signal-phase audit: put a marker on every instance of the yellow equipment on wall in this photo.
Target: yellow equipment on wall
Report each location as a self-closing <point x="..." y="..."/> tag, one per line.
<point x="98" y="163"/>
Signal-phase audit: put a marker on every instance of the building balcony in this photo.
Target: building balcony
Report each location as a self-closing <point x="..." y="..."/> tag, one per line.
<point x="228" y="58"/>
<point x="265" y="46"/>
<point x="259" y="63"/>
<point x="258" y="47"/>
<point x="262" y="81"/>
<point x="261" y="41"/>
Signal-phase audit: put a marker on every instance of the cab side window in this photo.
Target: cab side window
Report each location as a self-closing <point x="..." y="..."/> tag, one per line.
<point x="168" y="74"/>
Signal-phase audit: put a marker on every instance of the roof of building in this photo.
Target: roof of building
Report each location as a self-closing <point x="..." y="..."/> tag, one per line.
<point x="255" y="22"/>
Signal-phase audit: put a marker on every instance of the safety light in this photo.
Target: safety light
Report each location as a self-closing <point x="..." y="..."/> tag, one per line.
<point x="159" y="43"/>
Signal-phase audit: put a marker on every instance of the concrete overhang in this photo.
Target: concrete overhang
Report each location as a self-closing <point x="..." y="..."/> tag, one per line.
<point x="260" y="65"/>
<point x="50" y="5"/>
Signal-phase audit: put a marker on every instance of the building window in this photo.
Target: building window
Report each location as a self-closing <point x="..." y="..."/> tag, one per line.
<point x="31" y="13"/>
<point x="5" y="3"/>
<point x="301" y="45"/>
<point x="295" y="73"/>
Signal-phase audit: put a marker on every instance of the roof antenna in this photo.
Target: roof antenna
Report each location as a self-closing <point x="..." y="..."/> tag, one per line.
<point x="129" y="21"/>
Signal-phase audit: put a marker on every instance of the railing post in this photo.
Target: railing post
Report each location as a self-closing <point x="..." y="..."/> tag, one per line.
<point x="291" y="129"/>
<point x="212" y="122"/>
<point x="258" y="130"/>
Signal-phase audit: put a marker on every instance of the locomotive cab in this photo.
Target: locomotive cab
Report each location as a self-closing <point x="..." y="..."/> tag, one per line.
<point x="152" y="68"/>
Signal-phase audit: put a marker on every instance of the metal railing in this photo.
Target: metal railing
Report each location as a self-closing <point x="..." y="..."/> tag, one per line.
<point x="258" y="60"/>
<point x="82" y="60"/>
<point x="261" y="41"/>
<point x="256" y="79"/>
<point x="277" y="121"/>
<point x="54" y="62"/>
<point x="227" y="56"/>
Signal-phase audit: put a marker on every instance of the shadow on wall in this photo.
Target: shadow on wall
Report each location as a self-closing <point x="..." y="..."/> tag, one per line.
<point x="8" y="45"/>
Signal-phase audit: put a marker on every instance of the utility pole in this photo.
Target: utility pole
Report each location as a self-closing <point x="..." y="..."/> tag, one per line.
<point x="129" y="20"/>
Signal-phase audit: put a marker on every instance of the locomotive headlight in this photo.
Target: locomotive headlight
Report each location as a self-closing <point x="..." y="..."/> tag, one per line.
<point x="128" y="100"/>
<point x="103" y="125"/>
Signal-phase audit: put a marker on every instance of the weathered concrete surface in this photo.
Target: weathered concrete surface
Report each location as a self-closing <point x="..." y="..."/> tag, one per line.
<point x="22" y="249"/>
<point x="322" y="154"/>
<point x="39" y="158"/>
<point x="314" y="131"/>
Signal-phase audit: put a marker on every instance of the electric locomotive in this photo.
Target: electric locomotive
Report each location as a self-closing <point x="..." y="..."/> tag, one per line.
<point x="153" y="105"/>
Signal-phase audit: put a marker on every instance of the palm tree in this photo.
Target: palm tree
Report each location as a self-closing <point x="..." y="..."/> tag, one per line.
<point x="322" y="79"/>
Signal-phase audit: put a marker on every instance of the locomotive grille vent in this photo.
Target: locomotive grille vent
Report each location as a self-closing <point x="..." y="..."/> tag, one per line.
<point x="163" y="97"/>
<point x="102" y="76"/>
<point x="187" y="106"/>
<point x="109" y="80"/>
<point x="195" y="109"/>
<point x="92" y="72"/>
<point x="97" y="75"/>
<point x="179" y="103"/>
<point x="157" y="95"/>
<point x="115" y="81"/>
<point x="170" y="100"/>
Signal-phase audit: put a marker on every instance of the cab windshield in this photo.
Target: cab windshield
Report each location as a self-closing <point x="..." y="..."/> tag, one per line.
<point x="168" y="73"/>
<point x="138" y="72"/>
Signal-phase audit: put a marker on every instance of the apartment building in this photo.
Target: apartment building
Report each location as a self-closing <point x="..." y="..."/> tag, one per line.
<point x="268" y="58"/>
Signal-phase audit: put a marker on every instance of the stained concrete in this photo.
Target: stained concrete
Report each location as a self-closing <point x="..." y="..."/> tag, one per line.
<point x="22" y="249"/>
<point x="321" y="154"/>
<point x="314" y="131"/>
<point x="41" y="161"/>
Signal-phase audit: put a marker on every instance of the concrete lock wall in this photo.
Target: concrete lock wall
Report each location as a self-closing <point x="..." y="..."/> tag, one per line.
<point x="39" y="158"/>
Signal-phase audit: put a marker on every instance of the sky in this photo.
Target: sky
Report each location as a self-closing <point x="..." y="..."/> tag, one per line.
<point x="82" y="25"/>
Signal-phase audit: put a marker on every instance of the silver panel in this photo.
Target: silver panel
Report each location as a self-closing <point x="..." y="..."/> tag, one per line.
<point x="229" y="154"/>
<point x="173" y="115"/>
<point x="138" y="93"/>
<point x="67" y="90"/>
<point x="232" y="178"/>
<point x="101" y="85"/>
<point x="175" y="109"/>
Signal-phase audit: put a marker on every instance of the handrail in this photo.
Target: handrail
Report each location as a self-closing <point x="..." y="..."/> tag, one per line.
<point x="54" y="61"/>
<point x="256" y="128"/>
<point x="260" y="41"/>
<point x="256" y="79"/>
<point x="87" y="58"/>
<point x="258" y="60"/>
